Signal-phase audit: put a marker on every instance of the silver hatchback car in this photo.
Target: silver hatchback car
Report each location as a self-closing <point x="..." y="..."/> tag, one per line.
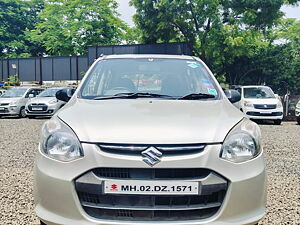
<point x="45" y="104"/>
<point x="13" y="101"/>
<point x="150" y="139"/>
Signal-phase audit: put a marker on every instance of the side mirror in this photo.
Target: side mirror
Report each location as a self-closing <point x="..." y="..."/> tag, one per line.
<point x="233" y="95"/>
<point x="31" y="96"/>
<point x="65" y="94"/>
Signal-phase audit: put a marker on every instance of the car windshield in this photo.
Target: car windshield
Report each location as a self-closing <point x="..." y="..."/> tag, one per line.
<point x="14" y="93"/>
<point x="149" y="77"/>
<point x="49" y="92"/>
<point x="258" y="92"/>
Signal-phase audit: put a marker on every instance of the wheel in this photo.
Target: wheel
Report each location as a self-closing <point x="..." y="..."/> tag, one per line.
<point x="298" y="120"/>
<point x="22" y="113"/>
<point x="277" y="122"/>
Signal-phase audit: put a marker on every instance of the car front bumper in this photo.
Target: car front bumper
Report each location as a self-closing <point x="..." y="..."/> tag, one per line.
<point x="269" y="114"/>
<point x="50" y="111"/>
<point x="57" y="202"/>
<point x="9" y="110"/>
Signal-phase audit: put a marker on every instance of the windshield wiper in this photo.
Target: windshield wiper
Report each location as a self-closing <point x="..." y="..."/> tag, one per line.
<point x="197" y="96"/>
<point x="134" y="95"/>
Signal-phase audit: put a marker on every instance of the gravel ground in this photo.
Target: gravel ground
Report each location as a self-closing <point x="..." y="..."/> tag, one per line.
<point x="19" y="138"/>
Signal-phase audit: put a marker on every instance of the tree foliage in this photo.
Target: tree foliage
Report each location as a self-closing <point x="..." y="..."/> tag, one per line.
<point x="16" y="17"/>
<point x="233" y="37"/>
<point x="68" y="27"/>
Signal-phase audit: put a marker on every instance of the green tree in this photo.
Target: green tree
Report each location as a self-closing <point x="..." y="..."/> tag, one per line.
<point x="16" y="17"/>
<point x="68" y="27"/>
<point x="280" y="62"/>
<point x="275" y="60"/>
<point x="225" y="34"/>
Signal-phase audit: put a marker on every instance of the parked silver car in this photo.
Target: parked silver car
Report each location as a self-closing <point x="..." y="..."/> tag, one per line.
<point x="150" y="139"/>
<point x="13" y="101"/>
<point x="45" y="104"/>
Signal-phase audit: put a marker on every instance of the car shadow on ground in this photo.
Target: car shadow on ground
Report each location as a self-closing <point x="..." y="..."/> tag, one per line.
<point x="269" y="122"/>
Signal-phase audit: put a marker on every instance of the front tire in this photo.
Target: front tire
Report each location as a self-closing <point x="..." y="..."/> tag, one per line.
<point x="22" y="113"/>
<point x="277" y="122"/>
<point x="298" y="120"/>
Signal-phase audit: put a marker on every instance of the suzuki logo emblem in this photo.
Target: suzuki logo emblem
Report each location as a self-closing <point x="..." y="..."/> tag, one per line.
<point x="151" y="156"/>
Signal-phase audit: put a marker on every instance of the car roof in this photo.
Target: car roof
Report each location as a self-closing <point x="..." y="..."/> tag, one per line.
<point x="254" y="86"/>
<point x="138" y="56"/>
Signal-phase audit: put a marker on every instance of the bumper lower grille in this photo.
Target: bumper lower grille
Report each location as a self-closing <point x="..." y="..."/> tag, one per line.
<point x="150" y="215"/>
<point x="5" y="110"/>
<point x="264" y="114"/>
<point x="150" y="207"/>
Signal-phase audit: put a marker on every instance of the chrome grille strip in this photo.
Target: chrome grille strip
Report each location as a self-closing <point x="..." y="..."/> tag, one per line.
<point x="181" y="148"/>
<point x="138" y="148"/>
<point x="171" y="207"/>
<point x="123" y="147"/>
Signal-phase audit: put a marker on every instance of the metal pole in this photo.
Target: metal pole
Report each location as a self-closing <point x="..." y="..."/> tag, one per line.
<point x="41" y="72"/>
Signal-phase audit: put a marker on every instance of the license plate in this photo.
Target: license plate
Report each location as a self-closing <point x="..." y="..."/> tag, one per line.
<point x="266" y="112"/>
<point x="37" y="108"/>
<point x="151" y="187"/>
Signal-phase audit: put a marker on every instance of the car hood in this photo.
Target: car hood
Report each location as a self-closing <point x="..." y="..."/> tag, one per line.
<point x="8" y="100"/>
<point x="44" y="100"/>
<point x="144" y="121"/>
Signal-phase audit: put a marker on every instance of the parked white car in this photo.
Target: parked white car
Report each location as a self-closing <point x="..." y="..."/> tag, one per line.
<point x="13" y="101"/>
<point x="45" y="104"/>
<point x="149" y="139"/>
<point x="297" y="112"/>
<point x="260" y="103"/>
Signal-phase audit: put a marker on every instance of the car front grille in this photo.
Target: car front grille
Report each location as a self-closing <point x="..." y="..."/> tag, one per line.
<point x="167" y="150"/>
<point x="134" y="207"/>
<point x="43" y="107"/>
<point x="264" y="106"/>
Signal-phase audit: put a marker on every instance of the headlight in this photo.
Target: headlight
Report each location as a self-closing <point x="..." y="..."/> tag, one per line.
<point x="248" y="104"/>
<point x="298" y="105"/>
<point x="59" y="142"/>
<point x="242" y="143"/>
<point x="279" y="104"/>
<point x="53" y="101"/>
